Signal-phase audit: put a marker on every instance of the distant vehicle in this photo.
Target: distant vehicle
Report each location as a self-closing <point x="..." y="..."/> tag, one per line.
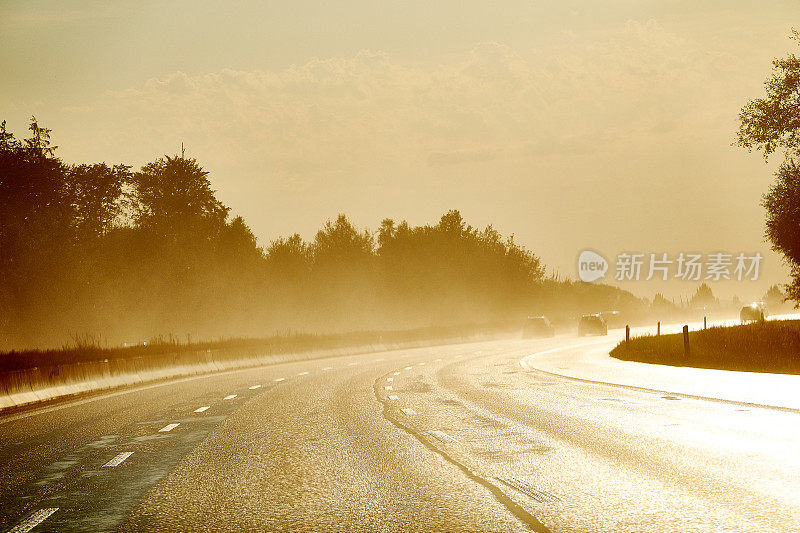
<point x="537" y="326"/>
<point x="610" y="317"/>
<point x="755" y="312"/>
<point x="592" y="325"/>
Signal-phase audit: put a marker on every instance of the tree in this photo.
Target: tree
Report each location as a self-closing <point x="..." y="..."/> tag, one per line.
<point x="774" y="298"/>
<point x="96" y="192"/>
<point x="774" y="122"/>
<point x="768" y="124"/>
<point x="703" y="297"/>
<point x="173" y="193"/>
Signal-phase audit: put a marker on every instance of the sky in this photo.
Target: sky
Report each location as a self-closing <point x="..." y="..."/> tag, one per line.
<point x="573" y="125"/>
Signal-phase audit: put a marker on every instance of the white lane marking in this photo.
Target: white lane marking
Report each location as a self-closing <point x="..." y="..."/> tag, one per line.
<point x="328" y="368"/>
<point x="33" y="520"/>
<point x="395" y="373"/>
<point x="352" y="364"/>
<point x="389" y="379"/>
<point x="437" y="360"/>
<point x="442" y="436"/>
<point x="278" y="380"/>
<point x="201" y="409"/>
<point x="118" y="459"/>
<point x="421" y="364"/>
<point x="169" y="427"/>
<point x="254" y="387"/>
<point x="379" y="359"/>
<point x="388" y="387"/>
<point x="303" y="374"/>
<point x="230" y="396"/>
<point x="394" y="397"/>
<point x="407" y="368"/>
<point x="408" y="412"/>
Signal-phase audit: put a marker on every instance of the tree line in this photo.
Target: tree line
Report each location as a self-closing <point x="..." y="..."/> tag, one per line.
<point x="101" y="251"/>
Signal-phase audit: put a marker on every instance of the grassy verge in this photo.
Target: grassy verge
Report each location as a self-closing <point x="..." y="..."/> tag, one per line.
<point x="283" y="344"/>
<point x="772" y="346"/>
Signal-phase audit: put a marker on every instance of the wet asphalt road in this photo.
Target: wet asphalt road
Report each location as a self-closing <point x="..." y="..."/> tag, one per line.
<point x="449" y="438"/>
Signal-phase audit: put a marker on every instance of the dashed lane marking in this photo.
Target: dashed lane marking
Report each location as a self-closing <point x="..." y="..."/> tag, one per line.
<point x="352" y="364"/>
<point x="118" y="459"/>
<point x="394" y="397"/>
<point x="201" y="409"/>
<point x="278" y="380"/>
<point x="395" y="373"/>
<point x="328" y="368"/>
<point x="388" y="387"/>
<point x="408" y="412"/>
<point x="169" y="427"/>
<point x="389" y="379"/>
<point x="33" y="520"/>
<point x="254" y="387"/>
<point x="407" y="368"/>
<point x="303" y="374"/>
<point x="442" y="436"/>
<point x="230" y="396"/>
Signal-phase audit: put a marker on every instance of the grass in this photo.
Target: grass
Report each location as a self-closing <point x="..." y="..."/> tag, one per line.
<point x="85" y="350"/>
<point x="772" y="346"/>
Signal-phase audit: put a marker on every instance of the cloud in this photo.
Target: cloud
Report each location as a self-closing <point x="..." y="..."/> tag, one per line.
<point x="333" y="116"/>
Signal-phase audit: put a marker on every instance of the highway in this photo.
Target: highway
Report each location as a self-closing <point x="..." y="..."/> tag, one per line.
<point x="465" y="437"/>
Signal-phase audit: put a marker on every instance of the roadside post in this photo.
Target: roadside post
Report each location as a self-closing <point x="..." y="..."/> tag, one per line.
<point x="627" y="334"/>
<point x="658" y="329"/>
<point x="704" y="323"/>
<point x="686" y="351"/>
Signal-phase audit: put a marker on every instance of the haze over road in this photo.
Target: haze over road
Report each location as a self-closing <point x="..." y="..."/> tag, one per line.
<point x="449" y="438"/>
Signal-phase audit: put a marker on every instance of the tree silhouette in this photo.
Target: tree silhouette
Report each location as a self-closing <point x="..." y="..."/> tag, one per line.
<point x="768" y="124"/>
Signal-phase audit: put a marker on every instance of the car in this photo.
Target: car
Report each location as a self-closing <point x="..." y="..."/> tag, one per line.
<point x="755" y="312"/>
<point x="592" y="325"/>
<point x="537" y="326"/>
<point x="611" y="317"/>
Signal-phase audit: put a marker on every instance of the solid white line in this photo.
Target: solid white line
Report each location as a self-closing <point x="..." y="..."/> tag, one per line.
<point x="303" y="374"/>
<point x="254" y="387"/>
<point x="118" y="459"/>
<point x="278" y="380"/>
<point x="230" y="397"/>
<point x="201" y="409"/>
<point x="394" y="397"/>
<point x="408" y="412"/>
<point x="169" y="427"/>
<point x="33" y="520"/>
<point x="388" y="387"/>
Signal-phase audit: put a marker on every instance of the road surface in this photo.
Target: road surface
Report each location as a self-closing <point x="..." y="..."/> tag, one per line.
<point x="469" y="437"/>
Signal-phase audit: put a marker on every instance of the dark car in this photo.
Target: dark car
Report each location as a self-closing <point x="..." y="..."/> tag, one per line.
<point x="592" y="325"/>
<point x="537" y="326"/>
<point x="754" y="312"/>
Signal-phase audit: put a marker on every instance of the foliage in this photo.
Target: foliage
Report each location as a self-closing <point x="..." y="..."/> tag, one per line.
<point x="769" y="124"/>
<point x="93" y="250"/>
<point x="771" y="346"/>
